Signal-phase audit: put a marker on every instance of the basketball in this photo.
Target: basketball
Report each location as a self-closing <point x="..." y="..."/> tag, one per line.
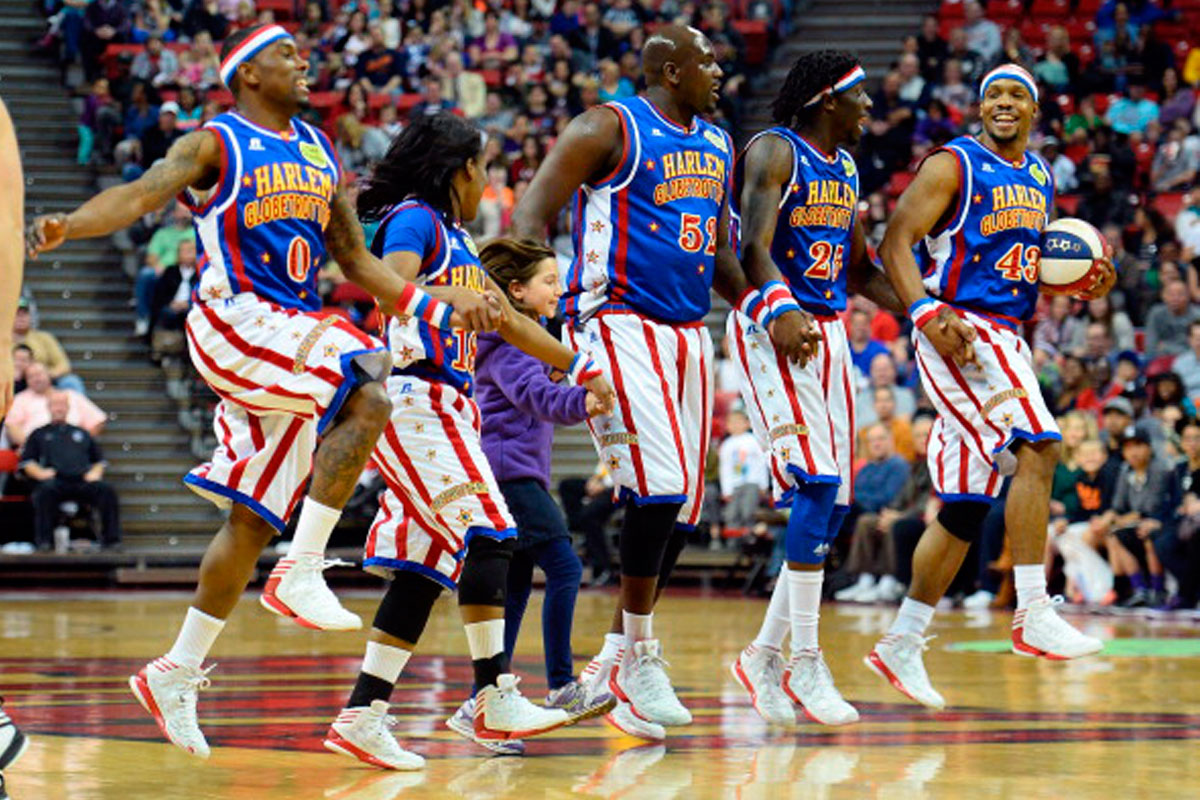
<point x="1071" y="250"/>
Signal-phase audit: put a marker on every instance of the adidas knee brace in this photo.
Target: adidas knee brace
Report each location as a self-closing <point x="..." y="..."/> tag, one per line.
<point x="964" y="518"/>
<point x="485" y="571"/>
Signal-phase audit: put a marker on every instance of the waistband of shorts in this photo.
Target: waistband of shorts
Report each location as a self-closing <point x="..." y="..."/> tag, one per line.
<point x="613" y="309"/>
<point x="246" y="299"/>
<point x="1001" y="320"/>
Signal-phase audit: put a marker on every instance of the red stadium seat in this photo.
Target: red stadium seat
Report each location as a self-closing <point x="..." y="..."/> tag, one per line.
<point x="323" y="102"/>
<point x="1081" y="31"/>
<point x="492" y="78"/>
<point x="754" y="31"/>
<point x="1050" y="10"/>
<point x="1102" y="102"/>
<point x="1088" y="8"/>
<point x="1067" y="204"/>
<point x="1005" y="12"/>
<point x="1066" y="103"/>
<point x="1168" y="204"/>
<point x="284" y="9"/>
<point x="1086" y="53"/>
<point x="899" y="182"/>
<point x="951" y="9"/>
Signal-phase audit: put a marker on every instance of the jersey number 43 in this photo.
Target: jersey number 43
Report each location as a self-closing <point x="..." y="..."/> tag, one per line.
<point x="1020" y="262"/>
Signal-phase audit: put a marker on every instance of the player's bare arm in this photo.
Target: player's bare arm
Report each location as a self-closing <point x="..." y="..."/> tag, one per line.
<point x="768" y="170"/>
<point x="193" y="161"/>
<point x="589" y="149"/>
<point x="924" y="203"/>
<point x="526" y="335"/>
<point x="864" y="278"/>
<point x="386" y="282"/>
<point x="12" y="260"/>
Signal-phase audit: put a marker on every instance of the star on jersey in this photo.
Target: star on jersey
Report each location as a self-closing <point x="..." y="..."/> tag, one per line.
<point x="1007" y="420"/>
<point x="977" y="198"/>
<point x="791" y="253"/>
<point x="654" y="226"/>
<point x="246" y="181"/>
<point x="656" y="132"/>
<point x="408" y="401"/>
<point x="699" y="269"/>
<point x="650" y="165"/>
<point x="214" y="292"/>
<point x="266" y="259"/>
<point x="446" y="479"/>
<point x="260" y="322"/>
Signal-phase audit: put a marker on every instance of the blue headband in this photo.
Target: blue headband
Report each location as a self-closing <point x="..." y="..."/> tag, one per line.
<point x="1010" y="72"/>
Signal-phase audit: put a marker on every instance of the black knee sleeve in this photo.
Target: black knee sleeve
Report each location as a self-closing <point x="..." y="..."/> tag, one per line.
<point x="645" y="536"/>
<point x="964" y="518"/>
<point x="485" y="571"/>
<point x="407" y="605"/>
<point x="675" y="545"/>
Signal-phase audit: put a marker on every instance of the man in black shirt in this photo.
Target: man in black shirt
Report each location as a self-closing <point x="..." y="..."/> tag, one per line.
<point x="67" y="464"/>
<point x="1179" y="549"/>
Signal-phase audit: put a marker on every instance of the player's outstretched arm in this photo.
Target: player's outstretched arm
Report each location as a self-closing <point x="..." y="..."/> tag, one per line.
<point x="390" y="283"/>
<point x="590" y="148"/>
<point x="529" y="337"/>
<point x="12" y="259"/>
<point x="768" y="169"/>
<point x="927" y="200"/>
<point x="864" y="278"/>
<point x="194" y="160"/>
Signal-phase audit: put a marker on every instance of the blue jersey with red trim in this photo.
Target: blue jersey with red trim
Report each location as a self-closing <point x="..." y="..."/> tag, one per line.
<point x="812" y="237"/>
<point x="645" y="236"/>
<point x="448" y="258"/>
<point x="986" y="255"/>
<point x="261" y="229"/>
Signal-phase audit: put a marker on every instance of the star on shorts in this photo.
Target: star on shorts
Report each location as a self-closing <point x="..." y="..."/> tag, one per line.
<point x="785" y="453"/>
<point x="431" y="454"/>
<point x="446" y="479"/>
<point x="409" y="402"/>
<point x="1007" y="420"/>
<point x="406" y="353"/>
<point x="614" y="463"/>
<point x="597" y="226"/>
<point x="593" y="256"/>
<point x="419" y="427"/>
<point x="331" y="351"/>
<point x="465" y="517"/>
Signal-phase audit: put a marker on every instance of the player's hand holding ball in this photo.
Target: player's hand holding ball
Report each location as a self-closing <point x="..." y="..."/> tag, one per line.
<point x="1075" y="260"/>
<point x="45" y="233"/>
<point x="795" y="335"/>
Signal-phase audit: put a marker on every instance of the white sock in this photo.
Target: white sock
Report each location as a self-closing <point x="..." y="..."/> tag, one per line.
<point x="1030" y="582"/>
<point x="485" y="639"/>
<point x="195" y="639"/>
<point x="314" y="528"/>
<point x="637" y="626"/>
<point x="913" y="617"/>
<point x="777" y="621"/>
<point x="612" y="645"/>
<point x="385" y="661"/>
<point x="804" y="603"/>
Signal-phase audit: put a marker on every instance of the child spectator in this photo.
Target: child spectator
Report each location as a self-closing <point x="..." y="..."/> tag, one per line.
<point x="743" y="471"/>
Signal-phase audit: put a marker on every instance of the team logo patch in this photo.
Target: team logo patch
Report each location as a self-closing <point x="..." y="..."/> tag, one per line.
<point x="314" y="154"/>
<point x="470" y="243"/>
<point x="848" y="164"/>
<point x="1038" y="173"/>
<point x="1008" y="394"/>
<point x="718" y="140"/>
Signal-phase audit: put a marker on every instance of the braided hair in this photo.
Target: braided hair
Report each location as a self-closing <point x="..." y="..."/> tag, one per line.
<point x="421" y="162"/>
<point x="811" y="73"/>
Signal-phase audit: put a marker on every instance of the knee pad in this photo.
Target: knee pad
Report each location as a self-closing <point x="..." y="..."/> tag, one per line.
<point x="836" y="518"/>
<point x="808" y="531"/>
<point x="645" y="536"/>
<point x="964" y="518"/>
<point x="485" y="571"/>
<point x="406" y="606"/>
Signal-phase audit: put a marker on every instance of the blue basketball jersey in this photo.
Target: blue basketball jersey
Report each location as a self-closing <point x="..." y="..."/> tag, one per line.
<point x="812" y="237"/>
<point x="448" y="258"/>
<point x="261" y="229"/>
<point x="645" y="236"/>
<point x="986" y="256"/>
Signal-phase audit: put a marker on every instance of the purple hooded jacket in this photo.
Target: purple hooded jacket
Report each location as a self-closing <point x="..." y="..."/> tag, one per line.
<point x="520" y="406"/>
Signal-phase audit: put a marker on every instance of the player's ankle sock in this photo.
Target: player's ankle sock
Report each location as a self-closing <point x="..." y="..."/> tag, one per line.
<point x="485" y="640"/>
<point x="637" y="626"/>
<point x="612" y="646"/>
<point x="381" y="668"/>
<point x="1157" y="583"/>
<point x="804" y="603"/>
<point x="913" y="617"/>
<point x="1137" y="581"/>
<point x="1030" y="583"/>
<point x="195" y="638"/>
<point x="777" y="621"/>
<point x="313" y="528"/>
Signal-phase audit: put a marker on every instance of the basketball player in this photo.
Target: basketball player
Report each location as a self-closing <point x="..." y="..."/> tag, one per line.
<point x="977" y="209"/>
<point x="267" y="201"/>
<point x="801" y="249"/>
<point x="650" y="181"/>
<point x="12" y="263"/>
<point x="442" y="500"/>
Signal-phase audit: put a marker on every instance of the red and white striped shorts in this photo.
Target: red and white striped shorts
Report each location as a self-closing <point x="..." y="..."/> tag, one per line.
<point x="282" y="376"/>
<point x="804" y="416"/>
<point x="981" y="411"/>
<point x="655" y="442"/>
<point x="440" y="488"/>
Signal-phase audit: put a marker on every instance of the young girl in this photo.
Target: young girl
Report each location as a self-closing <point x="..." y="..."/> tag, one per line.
<point x="520" y="406"/>
<point x="442" y="521"/>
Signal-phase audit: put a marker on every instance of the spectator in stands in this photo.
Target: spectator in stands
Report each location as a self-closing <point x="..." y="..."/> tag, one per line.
<point x="1179" y="548"/>
<point x="30" y="409"/>
<point x="881" y="478"/>
<point x="526" y="164"/>
<point x="495" y="49"/>
<point x="1116" y="324"/>
<point x="22" y="357"/>
<point x="355" y="40"/>
<point x="983" y="35"/>
<point x="67" y="465"/>
<point x="887" y="145"/>
<point x="1082" y="494"/>
<point x="1175" y="164"/>
<point x="1059" y="66"/>
<point x="389" y="121"/>
<point x="1140" y="507"/>
<point x="1168" y="322"/>
<point x="496" y="205"/>
<point x="953" y="90"/>
<point x="141" y="114"/>
<point x="932" y="49"/>
<point x="1177" y="100"/>
<point x="1102" y="202"/>
<point x="199" y="66"/>
<point x="173" y="289"/>
<point x="379" y="68"/>
<point x="158" y="140"/>
<point x="163" y="247"/>
<point x="205" y="16"/>
<point x="432" y="101"/>
<point x="1131" y="113"/>
<point x="46" y="348"/>
<point x="464" y="88"/>
<point x="495" y="118"/>
<point x="98" y="124"/>
<point x="899" y="425"/>
<point x="622" y="16"/>
<point x="935" y="128"/>
<point x="973" y="64"/>
<point x="882" y="375"/>
<point x="157" y="64"/>
<point x="1075" y="392"/>
<point x="912" y="85"/>
<point x="1062" y="166"/>
<point x="392" y="29"/>
<point x="613" y="86"/>
<point x="105" y="22"/>
<point x="743" y="471"/>
<point x="1057" y="327"/>
<point x="863" y="349"/>
<point x="1187" y="222"/>
<point x="1014" y="50"/>
<point x="359" y="146"/>
<point x="592" y="41"/>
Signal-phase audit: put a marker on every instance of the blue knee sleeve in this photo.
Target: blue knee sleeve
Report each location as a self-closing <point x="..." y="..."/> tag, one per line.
<point x="835" y="522"/>
<point x="809" y="523"/>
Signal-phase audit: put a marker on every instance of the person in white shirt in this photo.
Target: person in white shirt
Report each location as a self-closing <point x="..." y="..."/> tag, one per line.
<point x="1187" y="364"/>
<point x="743" y="471"/>
<point x="1187" y="221"/>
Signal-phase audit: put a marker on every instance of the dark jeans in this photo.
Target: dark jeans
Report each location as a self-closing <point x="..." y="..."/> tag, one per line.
<point x="47" y="495"/>
<point x="589" y="516"/>
<point x="563" y="571"/>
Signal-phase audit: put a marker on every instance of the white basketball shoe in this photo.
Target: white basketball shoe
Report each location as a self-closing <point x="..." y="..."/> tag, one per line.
<point x="169" y="692"/>
<point x="364" y="733"/>
<point x="897" y="658"/>
<point x="760" y="672"/>
<point x="297" y="590"/>
<point x="1039" y="631"/>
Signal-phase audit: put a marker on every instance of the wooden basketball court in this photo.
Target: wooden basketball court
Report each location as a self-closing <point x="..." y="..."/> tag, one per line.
<point x="1123" y="724"/>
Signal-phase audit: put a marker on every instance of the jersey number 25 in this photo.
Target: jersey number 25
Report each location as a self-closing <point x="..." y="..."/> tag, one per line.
<point x="827" y="261"/>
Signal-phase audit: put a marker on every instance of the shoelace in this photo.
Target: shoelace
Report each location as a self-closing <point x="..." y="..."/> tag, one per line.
<point x="318" y="560"/>
<point x="773" y="669"/>
<point x="194" y="684"/>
